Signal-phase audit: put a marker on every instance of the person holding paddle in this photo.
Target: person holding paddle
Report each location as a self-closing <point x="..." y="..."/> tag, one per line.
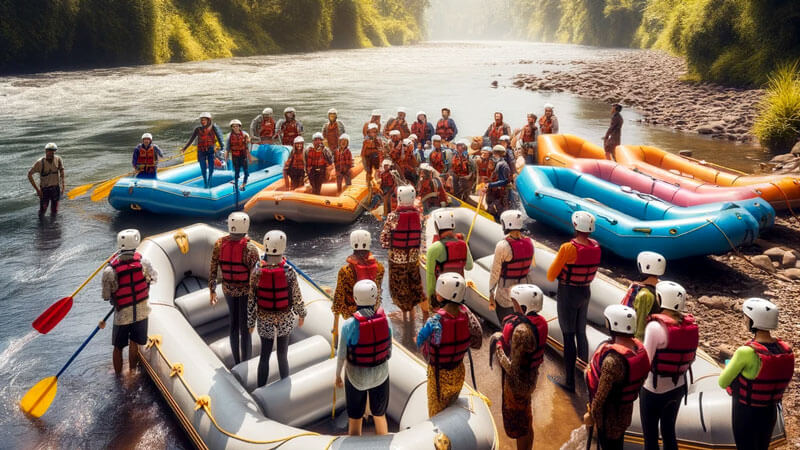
<point x="208" y="136"/>
<point x="51" y="179"/>
<point x="126" y="284"/>
<point x="145" y="157"/>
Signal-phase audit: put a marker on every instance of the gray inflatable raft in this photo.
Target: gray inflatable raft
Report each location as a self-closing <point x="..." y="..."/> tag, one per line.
<point x="219" y="406"/>
<point x="703" y="422"/>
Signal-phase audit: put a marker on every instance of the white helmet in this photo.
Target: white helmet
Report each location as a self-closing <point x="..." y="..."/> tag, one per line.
<point x="512" y="220"/>
<point x="505" y="138"/>
<point x="444" y="219"/>
<point x="621" y="318"/>
<point x="763" y="313"/>
<point x="426" y="167"/>
<point x="486" y="148"/>
<point x="360" y="240"/>
<point x="344" y="137"/>
<point x="394" y="133"/>
<point x="498" y="149"/>
<point x="406" y="195"/>
<point x="435" y="138"/>
<point x="401" y="110"/>
<point x="451" y="287"/>
<point x="583" y="221"/>
<point x="333" y="111"/>
<point x="671" y="296"/>
<point x="548" y="106"/>
<point x="299" y="140"/>
<point x="274" y="242"/>
<point x="235" y="122"/>
<point x="372" y="126"/>
<point x="266" y="112"/>
<point x="206" y="115"/>
<point x="365" y="293"/>
<point x="407" y="141"/>
<point x="128" y="239"/>
<point x="651" y="263"/>
<point x="421" y="113"/>
<point x="51" y="146"/>
<point x="238" y="222"/>
<point x="387" y="161"/>
<point x="316" y="135"/>
<point x="289" y="109"/>
<point x="413" y="137"/>
<point x="463" y="142"/>
<point x="528" y="296"/>
<point x="144" y="136"/>
<point x="375" y="113"/>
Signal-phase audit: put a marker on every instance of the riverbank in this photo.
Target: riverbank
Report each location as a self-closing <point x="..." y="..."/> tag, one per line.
<point x="653" y="83"/>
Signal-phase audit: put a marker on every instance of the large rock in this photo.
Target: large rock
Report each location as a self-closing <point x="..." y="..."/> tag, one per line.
<point x="714" y="302"/>
<point x="796" y="148"/>
<point x="788" y="260"/>
<point x="764" y="262"/>
<point x="792" y="274"/>
<point x="775" y="253"/>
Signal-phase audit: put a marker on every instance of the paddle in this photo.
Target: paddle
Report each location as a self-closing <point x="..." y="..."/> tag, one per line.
<point x="38" y="398"/>
<point x="53" y="315"/>
<point x="475" y="217"/>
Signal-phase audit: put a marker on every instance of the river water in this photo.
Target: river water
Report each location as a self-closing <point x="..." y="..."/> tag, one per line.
<point x="97" y="117"/>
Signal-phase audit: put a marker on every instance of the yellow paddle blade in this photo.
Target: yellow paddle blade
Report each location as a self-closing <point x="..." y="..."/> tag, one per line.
<point x="37" y="400"/>
<point x="80" y="190"/>
<point x="190" y="155"/>
<point x="103" y="189"/>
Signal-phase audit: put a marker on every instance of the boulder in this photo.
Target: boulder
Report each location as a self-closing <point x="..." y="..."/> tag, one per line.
<point x="713" y="302"/>
<point x="764" y="262"/>
<point x="792" y="274"/>
<point x="775" y="253"/>
<point x="788" y="260"/>
<point x="705" y="129"/>
<point x="796" y="148"/>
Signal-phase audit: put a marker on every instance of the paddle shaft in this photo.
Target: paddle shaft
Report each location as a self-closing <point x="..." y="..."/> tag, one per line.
<point x="80" y="349"/>
<point x="96" y="271"/>
<point x="303" y="274"/>
<point x="475" y="217"/>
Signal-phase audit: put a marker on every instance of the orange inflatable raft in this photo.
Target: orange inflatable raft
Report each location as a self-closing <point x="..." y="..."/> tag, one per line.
<point x="781" y="191"/>
<point x="276" y="202"/>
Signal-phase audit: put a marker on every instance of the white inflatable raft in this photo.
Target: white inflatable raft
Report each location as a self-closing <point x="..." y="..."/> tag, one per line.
<point x="704" y="422"/>
<point x="219" y="406"/>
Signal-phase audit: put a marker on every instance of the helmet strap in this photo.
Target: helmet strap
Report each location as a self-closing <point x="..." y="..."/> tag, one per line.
<point x="237" y="235"/>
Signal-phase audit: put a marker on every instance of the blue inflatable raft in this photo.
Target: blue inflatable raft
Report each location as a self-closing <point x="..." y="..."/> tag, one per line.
<point x="627" y="222"/>
<point x="181" y="190"/>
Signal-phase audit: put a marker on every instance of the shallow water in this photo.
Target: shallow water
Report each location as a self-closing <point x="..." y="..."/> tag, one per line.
<point x="97" y="117"/>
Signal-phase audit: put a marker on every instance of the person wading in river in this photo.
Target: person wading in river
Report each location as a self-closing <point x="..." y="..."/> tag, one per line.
<point x="548" y="123"/>
<point x="446" y="127"/>
<point x="145" y="157"/>
<point x="126" y="284"/>
<point x="444" y="341"/>
<point x="274" y="301"/>
<point x="520" y="351"/>
<point x="318" y="158"/>
<point x="262" y="128"/>
<point x="757" y="376"/>
<point x="613" y="135"/>
<point x="289" y="127"/>
<point x="448" y="253"/>
<point x="371" y="152"/>
<point x="402" y="235"/>
<point x="575" y="266"/>
<point x="374" y="118"/>
<point x="512" y="264"/>
<point x="51" y="179"/>
<point x="239" y="152"/>
<point x="333" y="129"/>
<point x="343" y="162"/>
<point x="233" y="258"/>
<point x="208" y="137"/>
<point x="641" y="295"/>
<point x="366" y="344"/>
<point x="361" y="265"/>
<point x="618" y="369"/>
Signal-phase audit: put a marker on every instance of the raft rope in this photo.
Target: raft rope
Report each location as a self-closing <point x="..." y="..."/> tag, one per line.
<point x="786" y="199"/>
<point x="739" y="253"/>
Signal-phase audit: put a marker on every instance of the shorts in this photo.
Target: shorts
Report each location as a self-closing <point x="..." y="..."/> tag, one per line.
<point x="357" y="400"/>
<point x="136" y="332"/>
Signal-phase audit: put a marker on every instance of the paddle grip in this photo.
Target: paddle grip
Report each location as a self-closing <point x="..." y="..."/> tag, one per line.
<point x="80" y="349"/>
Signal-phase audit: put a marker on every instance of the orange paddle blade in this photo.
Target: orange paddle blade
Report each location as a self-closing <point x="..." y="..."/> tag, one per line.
<point x="38" y="399"/>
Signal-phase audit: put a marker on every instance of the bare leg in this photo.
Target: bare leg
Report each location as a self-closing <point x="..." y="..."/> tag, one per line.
<point x="525" y="442"/>
<point x="116" y="357"/>
<point x="354" y="427"/>
<point x="381" y="427"/>
<point x="425" y="310"/>
<point x="133" y="355"/>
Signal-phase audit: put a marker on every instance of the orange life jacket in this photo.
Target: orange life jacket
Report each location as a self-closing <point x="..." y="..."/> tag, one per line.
<point x="638" y="365"/>
<point x="773" y="377"/>
<point x="521" y="258"/>
<point x="332" y="134"/>
<point x="682" y="339"/>
<point x="146" y="158"/>
<point x="206" y="138"/>
<point x="267" y="130"/>
<point x="444" y="129"/>
<point x="395" y="124"/>
<point x="485" y="167"/>
<point x="231" y="261"/>
<point x="289" y="131"/>
<point x="421" y="130"/>
<point x="546" y="125"/>
<point x="238" y="144"/>
<point x="528" y="134"/>
<point x="132" y="286"/>
<point x="370" y="151"/>
<point x="296" y="160"/>
<point x="374" y="346"/>
<point x="460" y="164"/>
<point x="583" y="270"/>
<point x="496" y="131"/>
<point x="437" y="160"/>
<point x="272" y="292"/>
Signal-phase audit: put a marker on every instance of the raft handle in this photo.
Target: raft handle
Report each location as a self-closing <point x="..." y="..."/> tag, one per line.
<point x="608" y="219"/>
<point x="643" y="230"/>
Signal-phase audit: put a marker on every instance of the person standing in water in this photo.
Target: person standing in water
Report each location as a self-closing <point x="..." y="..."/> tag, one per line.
<point x="520" y="351"/>
<point x="126" y="284"/>
<point x="757" y="376"/>
<point x="145" y="157"/>
<point x="208" y="137"/>
<point x="512" y="264"/>
<point x="613" y="135"/>
<point x="575" y="266"/>
<point x="51" y="179"/>
<point x="366" y="344"/>
<point x="234" y="257"/>
<point x="333" y="129"/>
<point x="444" y="341"/>
<point x="274" y="301"/>
<point x="239" y="152"/>
<point x="548" y="123"/>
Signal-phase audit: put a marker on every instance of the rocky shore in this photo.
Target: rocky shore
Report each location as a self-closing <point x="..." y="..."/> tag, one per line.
<point x="652" y="82"/>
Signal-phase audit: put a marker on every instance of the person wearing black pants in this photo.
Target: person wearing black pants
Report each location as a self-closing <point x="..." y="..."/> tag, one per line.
<point x="241" y="342"/>
<point x="657" y="408"/>
<point x="572" y="308"/>
<point x="274" y="302"/>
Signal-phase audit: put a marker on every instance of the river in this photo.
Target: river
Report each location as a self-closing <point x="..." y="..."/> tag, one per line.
<point x="97" y="117"/>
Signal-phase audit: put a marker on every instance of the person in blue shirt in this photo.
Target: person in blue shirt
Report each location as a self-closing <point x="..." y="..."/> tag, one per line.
<point x="446" y="127"/>
<point x="208" y="136"/>
<point x="146" y="156"/>
<point x="496" y="190"/>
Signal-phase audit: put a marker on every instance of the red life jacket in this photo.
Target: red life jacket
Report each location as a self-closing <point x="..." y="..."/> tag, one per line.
<point x="315" y="158"/>
<point x="231" y="260"/>
<point x="545" y="125"/>
<point x="460" y="165"/>
<point x="343" y="159"/>
<point x="289" y="131"/>
<point x="272" y="293"/>
<point x="374" y="345"/>
<point x="496" y="131"/>
<point x="634" y="290"/>
<point x="682" y="340"/>
<point x="364" y="270"/>
<point x="394" y="124"/>
<point x="238" y="144"/>
<point x="528" y="134"/>
<point x="437" y="160"/>
<point x="332" y="134"/>
<point x="370" y="151"/>
<point x="444" y="129"/>
<point x="539" y="326"/>
<point x="638" y="365"/>
<point x="146" y="158"/>
<point x="206" y="138"/>
<point x="521" y="258"/>
<point x="583" y="270"/>
<point x="421" y="130"/>
<point x="387" y="180"/>
<point x="485" y="167"/>
<point x="408" y="230"/>
<point x="773" y="377"/>
<point x="455" y="340"/>
<point x="296" y="160"/>
<point x="267" y="130"/>
<point x="132" y="286"/>
<point x="456" y="254"/>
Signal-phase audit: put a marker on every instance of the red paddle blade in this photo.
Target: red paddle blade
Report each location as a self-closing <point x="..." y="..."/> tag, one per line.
<point x="50" y="318"/>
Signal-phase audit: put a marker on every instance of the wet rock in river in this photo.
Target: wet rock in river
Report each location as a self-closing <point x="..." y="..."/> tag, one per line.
<point x="775" y="253"/>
